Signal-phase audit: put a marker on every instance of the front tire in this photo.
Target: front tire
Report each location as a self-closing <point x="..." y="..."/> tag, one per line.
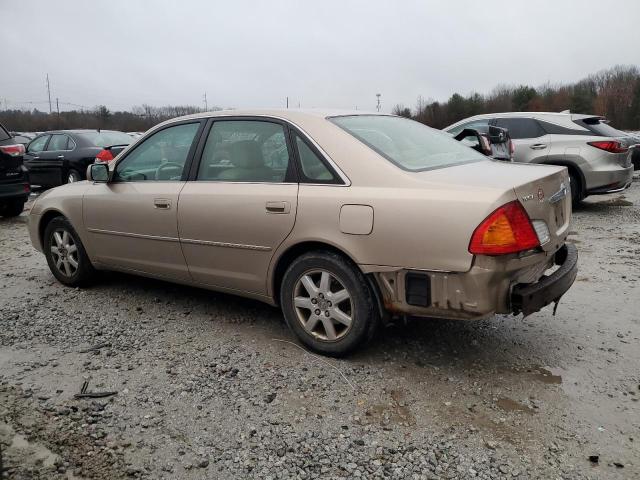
<point x="73" y="176"/>
<point x="12" y="209"/>
<point x="328" y="304"/>
<point x="66" y="255"/>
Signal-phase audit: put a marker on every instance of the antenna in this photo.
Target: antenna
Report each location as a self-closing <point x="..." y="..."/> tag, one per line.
<point x="49" y="93"/>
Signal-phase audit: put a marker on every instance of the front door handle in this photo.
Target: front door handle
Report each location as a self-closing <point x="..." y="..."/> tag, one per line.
<point x="278" y="207"/>
<point x="162" y="203"/>
<point x="538" y="146"/>
<point x="61" y="157"/>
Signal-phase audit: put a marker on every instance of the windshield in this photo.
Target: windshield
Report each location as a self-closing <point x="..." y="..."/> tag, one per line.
<point x="406" y="143"/>
<point x="106" y="139"/>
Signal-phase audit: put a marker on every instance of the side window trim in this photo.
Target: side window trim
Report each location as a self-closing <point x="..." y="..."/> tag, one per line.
<point x="190" y="156"/>
<point x="302" y="178"/>
<point x="292" y="169"/>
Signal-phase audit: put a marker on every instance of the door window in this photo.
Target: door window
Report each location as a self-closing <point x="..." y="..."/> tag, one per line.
<point x="521" y="127"/>
<point x="161" y="157"/>
<point x="245" y="151"/>
<point x="313" y="168"/>
<point x="38" y="144"/>
<point x="57" y="142"/>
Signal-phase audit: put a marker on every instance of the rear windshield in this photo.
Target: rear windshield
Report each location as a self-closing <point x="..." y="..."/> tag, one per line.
<point x="106" y="139"/>
<point x="4" y="135"/>
<point x="599" y="127"/>
<point x="406" y="143"/>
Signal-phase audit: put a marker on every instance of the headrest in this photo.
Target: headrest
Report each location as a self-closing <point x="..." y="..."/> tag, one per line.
<point x="246" y="154"/>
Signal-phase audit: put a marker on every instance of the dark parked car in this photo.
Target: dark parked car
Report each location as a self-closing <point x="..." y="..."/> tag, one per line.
<point x="14" y="180"/>
<point x="56" y="158"/>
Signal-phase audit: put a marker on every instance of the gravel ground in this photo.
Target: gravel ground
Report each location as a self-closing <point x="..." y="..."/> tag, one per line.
<point x="212" y="386"/>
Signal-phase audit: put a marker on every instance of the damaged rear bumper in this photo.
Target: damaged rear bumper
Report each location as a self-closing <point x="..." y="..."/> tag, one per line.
<point x="529" y="298"/>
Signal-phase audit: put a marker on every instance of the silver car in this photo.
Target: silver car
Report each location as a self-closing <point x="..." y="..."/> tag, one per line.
<point x="597" y="155"/>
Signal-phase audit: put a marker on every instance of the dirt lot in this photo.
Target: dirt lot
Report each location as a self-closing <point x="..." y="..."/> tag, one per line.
<point x="209" y="385"/>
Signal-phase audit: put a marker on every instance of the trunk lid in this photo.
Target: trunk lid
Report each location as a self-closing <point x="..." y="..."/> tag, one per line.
<point x="547" y="201"/>
<point x="543" y="191"/>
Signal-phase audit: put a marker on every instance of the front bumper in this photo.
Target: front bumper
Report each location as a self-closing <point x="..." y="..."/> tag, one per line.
<point x="529" y="298"/>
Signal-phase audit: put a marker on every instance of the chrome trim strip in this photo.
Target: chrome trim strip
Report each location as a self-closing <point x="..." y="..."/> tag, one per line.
<point x="259" y="248"/>
<point x="133" y="235"/>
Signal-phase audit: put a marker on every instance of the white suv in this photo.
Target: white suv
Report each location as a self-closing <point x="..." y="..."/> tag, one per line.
<point x="597" y="155"/>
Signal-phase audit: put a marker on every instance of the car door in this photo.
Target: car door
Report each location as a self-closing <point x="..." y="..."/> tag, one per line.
<point x="37" y="160"/>
<point x="530" y="141"/>
<point x="131" y="221"/>
<point x="241" y="204"/>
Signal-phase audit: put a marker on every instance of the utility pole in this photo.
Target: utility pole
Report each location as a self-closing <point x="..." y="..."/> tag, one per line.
<point x="287" y="102"/>
<point x="378" y="105"/>
<point x="206" y="105"/>
<point x="58" y="109"/>
<point x="49" y="93"/>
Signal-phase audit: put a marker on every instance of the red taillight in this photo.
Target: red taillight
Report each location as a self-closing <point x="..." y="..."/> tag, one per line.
<point x="104" y="156"/>
<point x="610" y="146"/>
<point x="12" y="150"/>
<point x="507" y="230"/>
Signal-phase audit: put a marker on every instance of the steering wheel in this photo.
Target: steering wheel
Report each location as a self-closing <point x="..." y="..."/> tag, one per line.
<point x="166" y="165"/>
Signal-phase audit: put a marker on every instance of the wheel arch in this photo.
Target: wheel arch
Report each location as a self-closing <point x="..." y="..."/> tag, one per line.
<point x="44" y="221"/>
<point x="573" y="168"/>
<point x="287" y="256"/>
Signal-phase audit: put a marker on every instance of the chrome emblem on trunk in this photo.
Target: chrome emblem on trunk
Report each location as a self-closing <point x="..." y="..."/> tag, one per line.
<point x="559" y="195"/>
<point x="540" y="194"/>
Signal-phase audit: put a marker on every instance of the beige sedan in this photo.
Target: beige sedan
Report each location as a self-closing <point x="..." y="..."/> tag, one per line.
<point x="343" y="219"/>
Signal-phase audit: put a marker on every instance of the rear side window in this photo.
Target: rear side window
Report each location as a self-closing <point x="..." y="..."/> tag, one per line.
<point x="598" y="127"/>
<point x="57" y="142"/>
<point x="245" y="151"/>
<point x="313" y="168"/>
<point x="521" y="127"/>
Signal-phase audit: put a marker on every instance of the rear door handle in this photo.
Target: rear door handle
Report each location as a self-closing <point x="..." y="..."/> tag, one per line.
<point x="278" y="207"/>
<point x="61" y="157"/>
<point x="538" y="146"/>
<point x="163" y="203"/>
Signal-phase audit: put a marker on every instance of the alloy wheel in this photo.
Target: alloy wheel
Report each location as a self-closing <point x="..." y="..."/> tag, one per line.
<point x="323" y="305"/>
<point x="64" y="252"/>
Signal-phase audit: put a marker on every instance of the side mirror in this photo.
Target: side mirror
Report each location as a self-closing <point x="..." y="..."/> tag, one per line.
<point x="98" y="172"/>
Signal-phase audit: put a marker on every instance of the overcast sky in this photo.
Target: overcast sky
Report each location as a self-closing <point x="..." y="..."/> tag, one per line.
<point x="320" y="53"/>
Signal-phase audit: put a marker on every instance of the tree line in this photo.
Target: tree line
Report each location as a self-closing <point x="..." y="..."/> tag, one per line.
<point x="139" y="119"/>
<point x="612" y="93"/>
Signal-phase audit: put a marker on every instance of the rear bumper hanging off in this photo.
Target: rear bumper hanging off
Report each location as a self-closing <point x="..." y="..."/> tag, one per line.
<point x="531" y="297"/>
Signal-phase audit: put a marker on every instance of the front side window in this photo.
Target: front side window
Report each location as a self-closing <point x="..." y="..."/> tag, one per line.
<point x="37" y="145"/>
<point x="245" y="151"/>
<point x="313" y="169"/>
<point x="57" y="142"/>
<point x="406" y="143"/>
<point x="161" y="157"/>
<point x="520" y="128"/>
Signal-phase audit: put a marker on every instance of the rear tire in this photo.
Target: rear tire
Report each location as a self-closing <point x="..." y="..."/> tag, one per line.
<point x="576" y="189"/>
<point x="328" y="303"/>
<point x="12" y="209"/>
<point x="66" y="255"/>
